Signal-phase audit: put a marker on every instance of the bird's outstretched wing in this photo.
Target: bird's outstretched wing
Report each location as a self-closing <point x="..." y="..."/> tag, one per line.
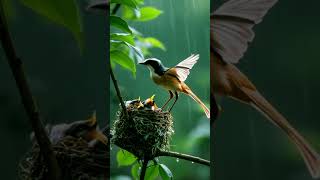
<point x="231" y="27"/>
<point x="183" y="68"/>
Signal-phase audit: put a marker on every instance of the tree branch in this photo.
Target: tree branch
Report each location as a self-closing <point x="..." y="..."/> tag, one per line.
<point x="184" y="156"/>
<point x="118" y="92"/>
<point x="114" y="11"/>
<point x="144" y="168"/>
<point x="26" y="97"/>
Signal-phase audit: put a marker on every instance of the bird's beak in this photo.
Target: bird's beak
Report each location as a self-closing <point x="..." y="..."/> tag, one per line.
<point x="143" y="62"/>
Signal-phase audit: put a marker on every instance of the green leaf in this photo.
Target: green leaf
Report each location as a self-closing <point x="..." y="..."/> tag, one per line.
<point x="153" y="42"/>
<point x="124" y="157"/>
<point x="145" y="51"/>
<point x="113" y="65"/>
<point x="165" y="172"/>
<point x="127" y="13"/>
<point x="137" y="51"/>
<point x="140" y="2"/>
<point x="119" y="23"/>
<point x="130" y="14"/>
<point x="134" y="49"/>
<point x="137" y="13"/>
<point x="62" y="12"/>
<point x="135" y="171"/>
<point x="135" y="32"/>
<point x="152" y="172"/>
<point x="148" y="13"/>
<point x="145" y="14"/>
<point x="130" y="3"/>
<point x="122" y="37"/>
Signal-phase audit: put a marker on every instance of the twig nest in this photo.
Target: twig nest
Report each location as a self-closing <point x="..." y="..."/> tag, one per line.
<point x="77" y="160"/>
<point x="145" y="131"/>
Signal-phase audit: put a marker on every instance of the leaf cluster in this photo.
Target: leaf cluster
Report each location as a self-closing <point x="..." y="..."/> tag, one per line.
<point x="154" y="168"/>
<point x="127" y="45"/>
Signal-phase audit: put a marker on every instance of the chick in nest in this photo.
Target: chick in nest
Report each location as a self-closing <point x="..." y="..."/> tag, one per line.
<point x="86" y="129"/>
<point x="134" y="104"/>
<point x="149" y="104"/>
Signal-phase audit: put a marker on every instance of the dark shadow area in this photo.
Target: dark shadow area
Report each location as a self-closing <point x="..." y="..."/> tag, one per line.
<point x="67" y="85"/>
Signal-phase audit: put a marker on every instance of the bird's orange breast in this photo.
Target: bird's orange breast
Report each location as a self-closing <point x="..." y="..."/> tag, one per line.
<point x="168" y="81"/>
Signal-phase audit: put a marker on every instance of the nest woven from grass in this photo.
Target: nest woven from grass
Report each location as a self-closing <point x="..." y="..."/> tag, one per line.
<point x="76" y="159"/>
<point x="144" y="133"/>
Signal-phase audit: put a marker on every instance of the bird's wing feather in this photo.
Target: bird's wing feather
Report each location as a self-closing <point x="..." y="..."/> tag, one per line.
<point x="183" y="68"/>
<point x="231" y="26"/>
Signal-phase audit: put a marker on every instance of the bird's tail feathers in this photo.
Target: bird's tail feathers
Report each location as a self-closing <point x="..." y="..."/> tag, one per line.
<point x="310" y="156"/>
<point x="195" y="98"/>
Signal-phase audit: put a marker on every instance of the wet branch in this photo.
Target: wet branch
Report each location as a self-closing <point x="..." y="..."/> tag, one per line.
<point x="118" y="92"/>
<point x="114" y="11"/>
<point x="30" y="106"/>
<point x="144" y="168"/>
<point x="184" y="156"/>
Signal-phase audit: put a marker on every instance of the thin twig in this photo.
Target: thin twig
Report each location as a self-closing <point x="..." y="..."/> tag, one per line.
<point x="114" y="11"/>
<point x="144" y="168"/>
<point x="115" y="83"/>
<point x="184" y="156"/>
<point x="27" y="99"/>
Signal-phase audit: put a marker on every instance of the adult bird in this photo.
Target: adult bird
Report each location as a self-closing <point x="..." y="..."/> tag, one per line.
<point x="231" y="31"/>
<point x="172" y="79"/>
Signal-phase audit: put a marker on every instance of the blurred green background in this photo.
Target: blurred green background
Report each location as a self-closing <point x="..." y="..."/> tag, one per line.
<point x="283" y="62"/>
<point x="66" y="85"/>
<point x="183" y="27"/>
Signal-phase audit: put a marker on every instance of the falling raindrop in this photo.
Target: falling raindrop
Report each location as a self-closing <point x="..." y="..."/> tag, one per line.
<point x="177" y="159"/>
<point x="192" y="162"/>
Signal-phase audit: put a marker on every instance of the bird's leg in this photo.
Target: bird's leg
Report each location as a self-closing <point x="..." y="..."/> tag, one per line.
<point x="176" y="98"/>
<point x="165" y="104"/>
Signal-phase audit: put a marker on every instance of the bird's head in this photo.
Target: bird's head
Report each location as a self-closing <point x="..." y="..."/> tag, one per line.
<point x="154" y="65"/>
<point x="86" y="129"/>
